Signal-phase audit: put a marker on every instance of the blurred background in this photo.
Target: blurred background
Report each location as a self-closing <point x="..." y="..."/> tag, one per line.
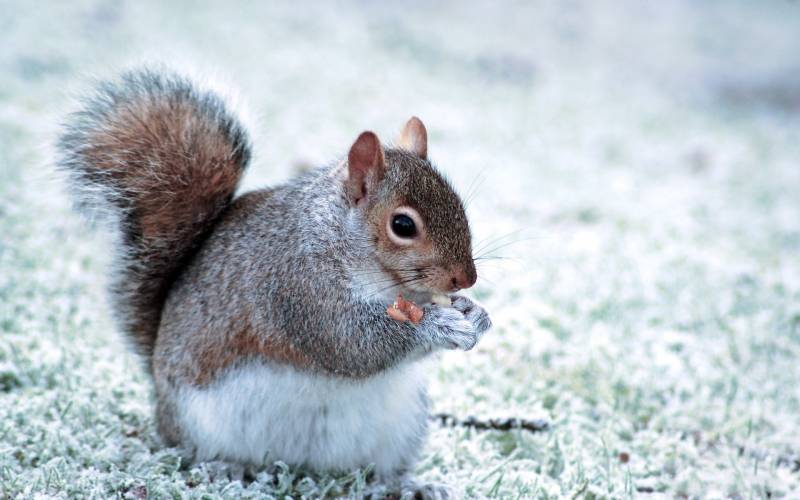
<point x="635" y="167"/>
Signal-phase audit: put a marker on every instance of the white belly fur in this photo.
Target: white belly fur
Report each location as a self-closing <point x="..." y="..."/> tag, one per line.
<point x="260" y="413"/>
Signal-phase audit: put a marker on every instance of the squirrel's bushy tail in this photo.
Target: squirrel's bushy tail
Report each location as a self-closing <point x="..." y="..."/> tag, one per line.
<point x="164" y="159"/>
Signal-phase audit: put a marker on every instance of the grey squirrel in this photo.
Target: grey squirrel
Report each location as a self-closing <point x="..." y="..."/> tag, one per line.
<point x="263" y="318"/>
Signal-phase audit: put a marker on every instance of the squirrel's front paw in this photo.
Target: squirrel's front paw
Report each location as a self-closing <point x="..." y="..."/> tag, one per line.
<point x="462" y="325"/>
<point x="455" y="330"/>
<point x="473" y="312"/>
<point x="477" y="318"/>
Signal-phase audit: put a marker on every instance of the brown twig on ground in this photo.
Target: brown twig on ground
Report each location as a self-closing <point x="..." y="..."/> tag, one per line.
<point x="496" y="424"/>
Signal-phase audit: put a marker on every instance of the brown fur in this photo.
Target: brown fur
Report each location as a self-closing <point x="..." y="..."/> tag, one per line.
<point x="241" y="347"/>
<point x="414" y="137"/>
<point x="165" y="160"/>
<point x="195" y="159"/>
<point x="444" y="249"/>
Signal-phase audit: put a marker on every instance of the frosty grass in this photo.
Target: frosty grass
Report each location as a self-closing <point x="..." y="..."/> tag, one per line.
<point x="636" y="165"/>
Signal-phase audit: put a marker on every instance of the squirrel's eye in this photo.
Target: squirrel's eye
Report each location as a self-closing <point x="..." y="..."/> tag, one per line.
<point x="403" y="226"/>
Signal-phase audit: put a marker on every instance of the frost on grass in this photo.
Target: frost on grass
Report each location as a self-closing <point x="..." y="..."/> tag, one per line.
<point x="634" y="168"/>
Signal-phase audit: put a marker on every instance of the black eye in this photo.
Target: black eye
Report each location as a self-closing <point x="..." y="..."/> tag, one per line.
<point x="403" y="226"/>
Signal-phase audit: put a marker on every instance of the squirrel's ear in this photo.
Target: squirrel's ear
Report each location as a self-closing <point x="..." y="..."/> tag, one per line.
<point x="414" y="137"/>
<point x="365" y="166"/>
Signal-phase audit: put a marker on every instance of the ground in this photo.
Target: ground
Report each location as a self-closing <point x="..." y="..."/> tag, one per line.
<point x="636" y="166"/>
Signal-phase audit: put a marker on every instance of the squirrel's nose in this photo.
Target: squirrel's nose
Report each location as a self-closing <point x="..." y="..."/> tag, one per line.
<point x="464" y="278"/>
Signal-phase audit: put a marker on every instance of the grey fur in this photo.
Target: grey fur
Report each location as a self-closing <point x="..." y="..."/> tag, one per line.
<point x="282" y="259"/>
<point x="271" y="276"/>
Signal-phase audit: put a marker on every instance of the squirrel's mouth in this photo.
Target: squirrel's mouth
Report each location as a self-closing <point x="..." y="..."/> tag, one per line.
<point x="425" y="297"/>
<point x="417" y="287"/>
<point x="423" y="292"/>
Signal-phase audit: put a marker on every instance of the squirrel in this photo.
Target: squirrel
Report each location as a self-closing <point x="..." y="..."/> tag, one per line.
<point x="262" y="318"/>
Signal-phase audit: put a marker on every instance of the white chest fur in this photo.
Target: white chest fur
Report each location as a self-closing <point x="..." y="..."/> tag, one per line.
<point x="261" y="413"/>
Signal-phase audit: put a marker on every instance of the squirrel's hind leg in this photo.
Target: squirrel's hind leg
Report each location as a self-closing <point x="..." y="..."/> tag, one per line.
<point x="220" y="470"/>
<point x="433" y="491"/>
<point x="166" y="419"/>
<point x="406" y="487"/>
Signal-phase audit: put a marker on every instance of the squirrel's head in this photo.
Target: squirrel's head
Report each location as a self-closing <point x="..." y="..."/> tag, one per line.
<point x="415" y="219"/>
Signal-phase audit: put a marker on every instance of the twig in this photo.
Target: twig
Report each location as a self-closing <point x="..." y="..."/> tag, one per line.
<point x="496" y="424"/>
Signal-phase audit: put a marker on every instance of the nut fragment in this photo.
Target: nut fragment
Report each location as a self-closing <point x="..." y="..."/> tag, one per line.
<point x="395" y="313"/>
<point x="405" y="310"/>
<point x="412" y="310"/>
